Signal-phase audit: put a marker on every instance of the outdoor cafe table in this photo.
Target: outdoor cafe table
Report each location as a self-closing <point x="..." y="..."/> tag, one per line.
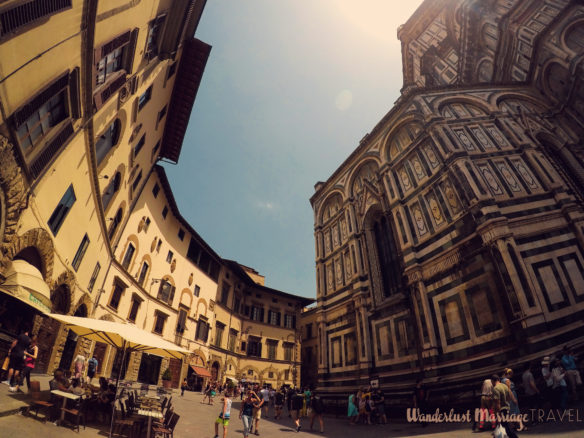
<point x="150" y="413"/>
<point x="65" y="396"/>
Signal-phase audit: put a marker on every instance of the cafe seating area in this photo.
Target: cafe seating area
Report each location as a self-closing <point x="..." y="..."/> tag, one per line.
<point x="140" y="410"/>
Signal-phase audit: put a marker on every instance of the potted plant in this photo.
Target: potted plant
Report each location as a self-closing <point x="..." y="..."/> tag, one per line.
<point x="166" y="378"/>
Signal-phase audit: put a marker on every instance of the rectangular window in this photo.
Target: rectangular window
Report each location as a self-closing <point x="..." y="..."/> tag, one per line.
<point x="254" y="347"/>
<point x="219" y="328"/>
<point x="159" y="323"/>
<point x="109" y="64"/>
<point x="169" y="257"/>
<point x="161" y="115"/>
<point x="171" y="70"/>
<point x="164" y="212"/>
<point x="272" y="346"/>
<point x="181" y="234"/>
<point x="21" y="14"/>
<point x="62" y="210"/>
<point x="273" y="317"/>
<point x="158" y="245"/>
<point x="308" y="331"/>
<point x="42" y="120"/>
<point x="182" y="321"/>
<point x="225" y="294"/>
<point x="143" y="272"/>
<point x="202" y="333"/>
<point x="144" y="98"/>
<point x="197" y="290"/>
<point x="146" y="224"/>
<point x="289" y="321"/>
<point x="350" y="349"/>
<point x="155" y="190"/>
<point x="257" y="313"/>
<point x="166" y="292"/>
<point x="134" y="309"/>
<point x="154" y="32"/>
<point x="116" y="296"/>
<point x="232" y="339"/>
<point x="94" y="277"/>
<point x="155" y="150"/>
<point x="128" y="257"/>
<point x="139" y="146"/>
<point x="288" y="351"/>
<point x="80" y="252"/>
<point x="236" y="304"/>
<point x="136" y="182"/>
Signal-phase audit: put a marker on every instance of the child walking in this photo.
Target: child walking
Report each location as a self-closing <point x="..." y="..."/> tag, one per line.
<point x="224" y="415"/>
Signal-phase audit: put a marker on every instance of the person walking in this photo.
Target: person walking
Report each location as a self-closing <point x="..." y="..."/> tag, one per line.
<point x="501" y="397"/>
<point x="379" y="399"/>
<point x="183" y="387"/>
<point x="246" y="414"/>
<point x="420" y="398"/>
<point x="317" y="410"/>
<point x="30" y="354"/>
<point x="224" y="415"/>
<point x="352" y="411"/>
<point x="289" y="396"/>
<point x="560" y="387"/>
<point x="486" y="414"/>
<point x="257" y="413"/>
<point x="573" y="378"/>
<point x="92" y="368"/>
<point x="514" y="401"/>
<point x="279" y="403"/>
<point x="265" y="395"/>
<point x="16" y="353"/>
<point x="297" y="404"/>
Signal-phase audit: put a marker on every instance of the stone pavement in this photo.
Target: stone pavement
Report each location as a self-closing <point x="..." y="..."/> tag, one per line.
<point x="197" y="420"/>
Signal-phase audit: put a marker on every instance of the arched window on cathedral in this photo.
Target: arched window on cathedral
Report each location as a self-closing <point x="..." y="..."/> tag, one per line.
<point x="485" y="70"/>
<point x="575" y="38"/>
<point x="403" y="137"/>
<point x="557" y="81"/>
<point x="387" y="255"/>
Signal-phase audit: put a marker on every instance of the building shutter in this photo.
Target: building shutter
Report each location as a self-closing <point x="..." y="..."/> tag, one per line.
<point x="25" y="13"/>
<point x="261" y="315"/>
<point x="24" y="112"/>
<point x="51" y="150"/>
<point x="74" y="94"/>
<point x="172" y="289"/>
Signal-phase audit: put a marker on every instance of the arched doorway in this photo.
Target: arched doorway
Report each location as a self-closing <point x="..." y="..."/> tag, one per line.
<point x="31" y="255"/>
<point x="214" y="371"/>
<point x="71" y="342"/>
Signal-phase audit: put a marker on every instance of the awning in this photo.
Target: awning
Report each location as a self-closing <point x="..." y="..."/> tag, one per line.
<point x="233" y="379"/>
<point x="26" y="283"/>
<point x="200" y="371"/>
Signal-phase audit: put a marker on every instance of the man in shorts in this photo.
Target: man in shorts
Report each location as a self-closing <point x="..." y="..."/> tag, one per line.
<point x="279" y="403"/>
<point x="297" y="403"/>
<point x="265" y="395"/>
<point x="257" y="412"/>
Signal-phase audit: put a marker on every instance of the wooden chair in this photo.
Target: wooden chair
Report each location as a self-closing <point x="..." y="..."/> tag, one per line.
<point x="165" y="419"/>
<point x="37" y="402"/>
<point x="78" y="412"/>
<point x="124" y="427"/>
<point x="167" y="431"/>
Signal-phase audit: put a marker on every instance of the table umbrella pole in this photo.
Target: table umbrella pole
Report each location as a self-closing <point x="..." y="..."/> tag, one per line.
<point x="117" y="385"/>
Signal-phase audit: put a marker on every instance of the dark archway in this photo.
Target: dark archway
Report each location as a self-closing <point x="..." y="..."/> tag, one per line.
<point x="81" y="311"/>
<point x="214" y="371"/>
<point x="31" y="255"/>
<point x="61" y="299"/>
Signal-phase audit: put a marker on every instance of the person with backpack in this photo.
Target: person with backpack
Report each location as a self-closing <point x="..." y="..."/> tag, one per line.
<point x="317" y="410"/>
<point x="91" y="368"/>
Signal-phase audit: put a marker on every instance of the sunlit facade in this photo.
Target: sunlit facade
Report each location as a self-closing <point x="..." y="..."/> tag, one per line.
<point x="450" y="243"/>
<point x="93" y="95"/>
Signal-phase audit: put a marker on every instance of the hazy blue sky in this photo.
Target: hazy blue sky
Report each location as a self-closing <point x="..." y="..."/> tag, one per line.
<point x="290" y="88"/>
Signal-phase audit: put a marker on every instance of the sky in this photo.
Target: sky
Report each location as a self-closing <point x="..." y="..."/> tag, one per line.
<point x="289" y="90"/>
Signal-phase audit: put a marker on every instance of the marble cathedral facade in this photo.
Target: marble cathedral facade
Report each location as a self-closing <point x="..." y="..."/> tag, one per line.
<point x="450" y="243"/>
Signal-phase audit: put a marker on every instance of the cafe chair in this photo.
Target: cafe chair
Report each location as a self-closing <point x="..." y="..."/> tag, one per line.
<point x="125" y="427"/>
<point x="168" y="431"/>
<point x="37" y="402"/>
<point x="78" y="412"/>
<point x="165" y="419"/>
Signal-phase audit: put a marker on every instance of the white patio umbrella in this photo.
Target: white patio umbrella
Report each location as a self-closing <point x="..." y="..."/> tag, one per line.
<point x="126" y="337"/>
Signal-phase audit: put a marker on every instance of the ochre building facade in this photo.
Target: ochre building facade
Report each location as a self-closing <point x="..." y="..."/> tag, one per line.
<point x="92" y="96"/>
<point x="450" y="243"/>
